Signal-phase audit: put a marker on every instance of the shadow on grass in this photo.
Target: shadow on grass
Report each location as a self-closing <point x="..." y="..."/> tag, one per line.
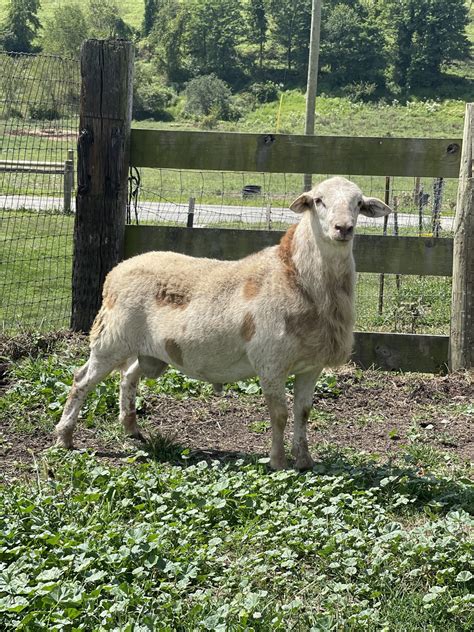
<point x="424" y="492"/>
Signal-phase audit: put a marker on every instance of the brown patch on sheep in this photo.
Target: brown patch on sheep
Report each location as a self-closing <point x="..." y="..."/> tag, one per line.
<point x="285" y="252"/>
<point x="248" y="327"/>
<point x="301" y="324"/>
<point x="179" y="298"/>
<point x="110" y="300"/>
<point x="252" y="287"/>
<point x="174" y="351"/>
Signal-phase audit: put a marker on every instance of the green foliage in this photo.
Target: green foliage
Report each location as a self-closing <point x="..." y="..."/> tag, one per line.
<point x="66" y="30"/>
<point x="105" y="20"/>
<point x="21" y="26"/>
<point x="265" y="91"/>
<point x="149" y="16"/>
<point x="290" y="27"/>
<point x="426" y="34"/>
<point x="211" y="547"/>
<point x="208" y="95"/>
<point x="352" y="46"/>
<point x="150" y="96"/>
<point x="166" y="41"/>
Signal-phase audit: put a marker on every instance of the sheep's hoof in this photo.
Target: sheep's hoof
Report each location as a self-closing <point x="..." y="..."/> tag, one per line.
<point x="138" y="436"/>
<point x="304" y="463"/>
<point x="278" y="462"/>
<point x="64" y="442"/>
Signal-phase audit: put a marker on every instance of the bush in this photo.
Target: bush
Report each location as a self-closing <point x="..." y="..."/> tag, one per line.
<point x="44" y="112"/>
<point x="207" y="95"/>
<point x="151" y="96"/>
<point x="361" y="91"/>
<point x="265" y="91"/>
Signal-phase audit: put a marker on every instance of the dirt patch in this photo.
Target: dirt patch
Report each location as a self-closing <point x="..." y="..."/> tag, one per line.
<point x="54" y="134"/>
<point x="372" y="411"/>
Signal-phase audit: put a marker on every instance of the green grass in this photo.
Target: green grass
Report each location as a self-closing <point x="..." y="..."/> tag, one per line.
<point x="205" y="546"/>
<point x="36" y="270"/>
<point x="355" y="545"/>
<point x="131" y="11"/>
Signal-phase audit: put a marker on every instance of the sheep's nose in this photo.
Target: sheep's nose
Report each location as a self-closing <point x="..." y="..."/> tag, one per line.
<point x="344" y="230"/>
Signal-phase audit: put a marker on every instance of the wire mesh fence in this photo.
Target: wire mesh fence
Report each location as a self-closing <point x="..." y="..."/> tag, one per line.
<point x="39" y="113"/>
<point x="39" y="110"/>
<point x="386" y="302"/>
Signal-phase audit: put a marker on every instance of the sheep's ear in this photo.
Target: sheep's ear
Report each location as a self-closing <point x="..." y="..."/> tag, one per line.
<point x="373" y="207"/>
<point x="305" y="202"/>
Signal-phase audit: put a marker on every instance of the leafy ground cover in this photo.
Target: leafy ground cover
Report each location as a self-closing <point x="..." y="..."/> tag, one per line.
<point x="190" y="531"/>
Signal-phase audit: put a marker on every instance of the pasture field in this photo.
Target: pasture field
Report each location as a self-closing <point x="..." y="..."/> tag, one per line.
<point x="190" y="531"/>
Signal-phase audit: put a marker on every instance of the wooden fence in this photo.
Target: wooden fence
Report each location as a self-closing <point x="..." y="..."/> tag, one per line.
<point x="66" y="169"/>
<point x="107" y="147"/>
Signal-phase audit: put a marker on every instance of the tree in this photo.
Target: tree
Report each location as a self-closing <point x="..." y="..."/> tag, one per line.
<point x="426" y="34"/>
<point x="66" y="30"/>
<point x="21" y="26"/>
<point x="214" y="29"/>
<point x="290" y="28"/>
<point x="257" y="26"/>
<point x="149" y="16"/>
<point x="353" y="46"/>
<point x="105" y="20"/>
<point x="166" y="39"/>
<point x="207" y="95"/>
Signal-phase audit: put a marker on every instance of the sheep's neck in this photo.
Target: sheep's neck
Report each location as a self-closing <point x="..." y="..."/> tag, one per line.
<point x="320" y="265"/>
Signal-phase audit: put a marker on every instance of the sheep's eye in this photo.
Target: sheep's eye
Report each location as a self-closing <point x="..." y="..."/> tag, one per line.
<point x="359" y="203"/>
<point x="318" y="201"/>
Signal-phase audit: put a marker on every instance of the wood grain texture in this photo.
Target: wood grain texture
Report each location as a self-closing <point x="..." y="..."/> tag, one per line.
<point x="373" y="253"/>
<point x="280" y="153"/>
<point x="103" y="158"/>
<point x="401" y="352"/>
<point x="461" y="353"/>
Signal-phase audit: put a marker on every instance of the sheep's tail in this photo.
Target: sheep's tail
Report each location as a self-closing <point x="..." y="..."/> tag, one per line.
<point x="98" y="326"/>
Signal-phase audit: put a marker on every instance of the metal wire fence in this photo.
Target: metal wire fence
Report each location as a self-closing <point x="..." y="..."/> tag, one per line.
<point x="39" y="113"/>
<point x="39" y="110"/>
<point x="385" y="302"/>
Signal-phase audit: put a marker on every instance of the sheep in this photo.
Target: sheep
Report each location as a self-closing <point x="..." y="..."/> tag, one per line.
<point x="287" y="309"/>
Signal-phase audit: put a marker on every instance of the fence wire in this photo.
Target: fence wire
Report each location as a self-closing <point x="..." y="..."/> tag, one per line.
<point x="39" y="115"/>
<point x="385" y="302"/>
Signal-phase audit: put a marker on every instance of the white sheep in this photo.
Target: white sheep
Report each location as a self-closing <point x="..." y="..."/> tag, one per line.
<point x="287" y="309"/>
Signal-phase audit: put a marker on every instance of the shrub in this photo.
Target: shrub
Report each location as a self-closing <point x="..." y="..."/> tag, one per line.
<point x="265" y="91"/>
<point x="207" y="95"/>
<point x="151" y="96"/>
<point x="361" y="91"/>
<point x="44" y="112"/>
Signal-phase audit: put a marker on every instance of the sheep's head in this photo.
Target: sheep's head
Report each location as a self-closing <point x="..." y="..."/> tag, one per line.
<point x="335" y="205"/>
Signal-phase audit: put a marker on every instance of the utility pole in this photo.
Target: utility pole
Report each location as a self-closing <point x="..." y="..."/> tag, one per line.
<point x="312" y="82"/>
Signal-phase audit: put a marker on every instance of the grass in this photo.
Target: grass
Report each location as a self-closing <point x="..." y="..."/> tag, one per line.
<point x="89" y="546"/>
<point x="355" y="544"/>
<point x="36" y="275"/>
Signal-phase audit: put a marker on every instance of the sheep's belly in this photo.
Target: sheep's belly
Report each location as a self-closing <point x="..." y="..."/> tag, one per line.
<point x="239" y="370"/>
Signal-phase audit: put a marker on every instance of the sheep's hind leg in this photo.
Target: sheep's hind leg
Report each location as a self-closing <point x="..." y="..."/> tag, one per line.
<point x="145" y="365"/>
<point x="304" y="390"/>
<point x="85" y="379"/>
<point x="274" y="391"/>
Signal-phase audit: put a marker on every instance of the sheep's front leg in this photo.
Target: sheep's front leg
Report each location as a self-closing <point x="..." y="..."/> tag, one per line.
<point x="304" y="390"/>
<point x="274" y="392"/>
<point x="144" y="365"/>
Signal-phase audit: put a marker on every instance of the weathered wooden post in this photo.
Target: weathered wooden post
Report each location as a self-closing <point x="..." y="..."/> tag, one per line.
<point x="461" y="342"/>
<point x="102" y="171"/>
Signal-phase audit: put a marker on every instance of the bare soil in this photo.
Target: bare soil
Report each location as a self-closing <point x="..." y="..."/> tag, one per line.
<point x="376" y="412"/>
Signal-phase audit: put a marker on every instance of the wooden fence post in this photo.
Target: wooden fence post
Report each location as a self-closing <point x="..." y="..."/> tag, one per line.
<point x="461" y="347"/>
<point x="102" y="171"/>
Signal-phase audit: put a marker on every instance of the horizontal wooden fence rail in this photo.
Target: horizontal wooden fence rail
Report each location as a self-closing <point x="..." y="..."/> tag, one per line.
<point x="281" y="153"/>
<point x="373" y="253"/>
